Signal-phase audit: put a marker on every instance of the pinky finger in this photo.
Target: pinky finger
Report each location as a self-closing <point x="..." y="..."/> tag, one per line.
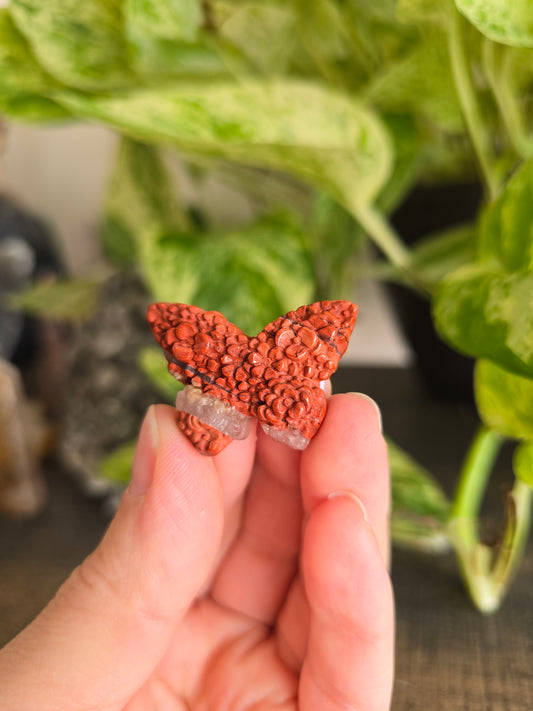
<point x="350" y="653"/>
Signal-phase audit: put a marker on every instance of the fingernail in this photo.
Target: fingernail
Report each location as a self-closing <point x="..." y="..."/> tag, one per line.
<point x="145" y="455"/>
<point x="374" y="404"/>
<point x="345" y="494"/>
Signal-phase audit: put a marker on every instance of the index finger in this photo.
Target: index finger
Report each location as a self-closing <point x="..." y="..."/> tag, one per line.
<point x="349" y="454"/>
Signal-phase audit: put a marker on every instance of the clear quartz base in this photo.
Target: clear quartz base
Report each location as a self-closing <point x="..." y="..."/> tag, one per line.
<point x="289" y="436"/>
<point x="214" y="412"/>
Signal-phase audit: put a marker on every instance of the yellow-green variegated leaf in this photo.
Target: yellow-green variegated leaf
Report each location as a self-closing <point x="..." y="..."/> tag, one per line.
<point x="485" y="312"/>
<point x="523" y="462"/>
<point x="141" y="194"/>
<point x="310" y="132"/>
<point x="504" y="400"/>
<point x="81" y="44"/>
<point x="164" y="19"/>
<point x="251" y="275"/>
<point x="24" y="84"/>
<point x="506" y="21"/>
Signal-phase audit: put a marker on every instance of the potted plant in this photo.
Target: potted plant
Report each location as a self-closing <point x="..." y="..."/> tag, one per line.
<point x="325" y="115"/>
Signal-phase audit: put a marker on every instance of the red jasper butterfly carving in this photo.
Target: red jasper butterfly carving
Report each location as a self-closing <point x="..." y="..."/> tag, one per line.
<point x="230" y="377"/>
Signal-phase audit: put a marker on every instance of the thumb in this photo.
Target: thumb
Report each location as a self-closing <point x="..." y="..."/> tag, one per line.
<point x="109" y="624"/>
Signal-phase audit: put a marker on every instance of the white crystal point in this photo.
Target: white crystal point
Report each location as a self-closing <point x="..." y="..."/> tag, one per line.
<point x="214" y="412"/>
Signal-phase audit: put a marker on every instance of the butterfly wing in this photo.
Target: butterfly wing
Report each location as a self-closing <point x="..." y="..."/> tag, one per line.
<point x="303" y="348"/>
<point x="312" y="339"/>
<point x="197" y="344"/>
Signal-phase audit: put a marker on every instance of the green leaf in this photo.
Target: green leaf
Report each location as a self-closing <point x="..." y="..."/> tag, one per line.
<point x="504" y="400"/>
<point x="79" y="43"/>
<point x="141" y="195"/>
<point x="523" y="463"/>
<point x="321" y="32"/>
<point x="409" y="160"/>
<point x="421" y="84"/>
<point x="163" y="59"/>
<point x="422" y="10"/>
<point x="320" y="136"/>
<point x="19" y="70"/>
<point x="23" y="83"/>
<point x="419" y="506"/>
<point x="29" y="107"/>
<point x="434" y="257"/>
<point x="501" y="20"/>
<point x="116" y="467"/>
<point x="165" y="41"/>
<point x="262" y="32"/>
<point x="154" y="365"/>
<point x="164" y="19"/>
<point x="334" y="259"/>
<point x="486" y="309"/>
<point x="59" y="300"/>
<point x="251" y="276"/>
<point x="506" y="228"/>
<point x="488" y="313"/>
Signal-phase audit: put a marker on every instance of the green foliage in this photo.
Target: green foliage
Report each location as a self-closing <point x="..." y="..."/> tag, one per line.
<point x="504" y="400"/>
<point x="261" y="33"/>
<point x="59" y="300"/>
<point x="164" y="39"/>
<point x="422" y="10"/>
<point x="141" y="194"/>
<point x="331" y="256"/>
<point x="19" y="70"/>
<point x="487" y="314"/>
<point x="485" y="309"/>
<point x="420" y="508"/>
<point x="506" y="229"/>
<point x="31" y="108"/>
<point x="501" y="20"/>
<point x="154" y="365"/>
<point x="163" y="60"/>
<point x="436" y="256"/>
<point x="80" y="44"/>
<point x="251" y="275"/>
<point x="421" y="84"/>
<point x="409" y="157"/>
<point x="318" y="135"/>
<point x="23" y="83"/>
<point x="164" y="19"/>
<point x="523" y="463"/>
<point x="116" y="467"/>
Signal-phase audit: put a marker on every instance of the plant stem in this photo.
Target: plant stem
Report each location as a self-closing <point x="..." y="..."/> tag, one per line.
<point x="469" y="105"/>
<point x="487" y="571"/>
<point x="473" y="482"/>
<point x="386" y="238"/>
<point x="474" y="559"/>
<point x="501" y="86"/>
<point x="514" y="542"/>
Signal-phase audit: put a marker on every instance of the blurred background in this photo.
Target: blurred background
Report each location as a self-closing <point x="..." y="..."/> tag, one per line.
<point x="62" y="174"/>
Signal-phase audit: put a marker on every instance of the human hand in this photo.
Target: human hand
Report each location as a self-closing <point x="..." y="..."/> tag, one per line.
<point x="255" y="579"/>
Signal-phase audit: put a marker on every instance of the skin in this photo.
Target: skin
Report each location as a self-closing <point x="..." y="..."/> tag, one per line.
<point x="256" y="579"/>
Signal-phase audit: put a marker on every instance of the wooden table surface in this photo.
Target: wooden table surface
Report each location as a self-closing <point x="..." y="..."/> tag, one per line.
<point x="449" y="656"/>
